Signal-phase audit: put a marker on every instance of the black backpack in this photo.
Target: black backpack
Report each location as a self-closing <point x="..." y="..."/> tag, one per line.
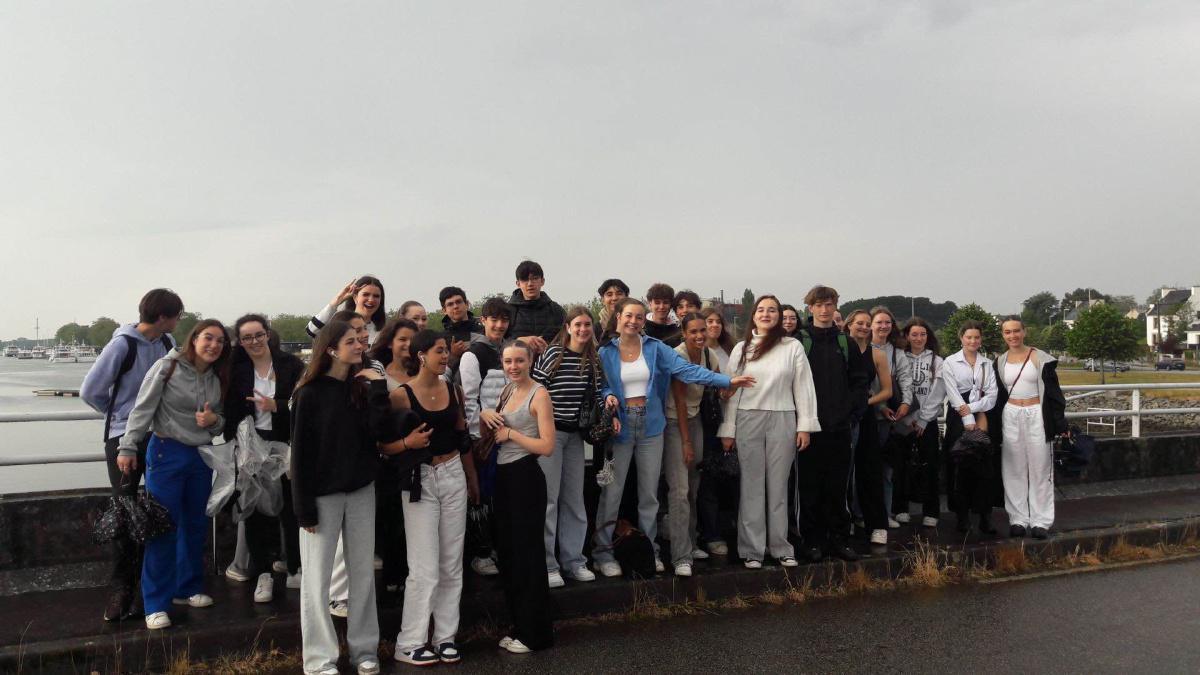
<point x="126" y="366"/>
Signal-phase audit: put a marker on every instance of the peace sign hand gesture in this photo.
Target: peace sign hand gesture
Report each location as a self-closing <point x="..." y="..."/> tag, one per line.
<point x="262" y="402"/>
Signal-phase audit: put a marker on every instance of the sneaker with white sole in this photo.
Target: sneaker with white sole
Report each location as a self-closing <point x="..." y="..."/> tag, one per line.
<point x="555" y="579"/>
<point x="717" y="548"/>
<point x="421" y="656"/>
<point x="699" y="554"/>
<point x="264" y="591"/>
<point x="582" y="573"/>
<point x="368" y="667"/>
<point x="197" y="600"/>
<point x="683" y="569"/>
<point x="504" y="642"/>
<point x="515" y="646"/>
<point x="788" y="561"/>
<point x="753" y="564"/>
<point x="339" y="608"/>
<point x="893" y="523"/>
<point x="659" y="567"/>
<point x="327" y="670"/>
<point x="448" y="652"/>
<point x="609" y="569"/>
<point x="158" y="621"/>
<point x="294" y="580"/>
<point x="234" y="574"/>
<point x="903" y="518"/>
<point x="279" y="567"/>
<point x="485" y="567"/>
<point x="929" y="521"/>
<point x="879" y="537"/>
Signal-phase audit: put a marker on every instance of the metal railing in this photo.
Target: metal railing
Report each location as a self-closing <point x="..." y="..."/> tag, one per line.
<point x="1135" y="411"/>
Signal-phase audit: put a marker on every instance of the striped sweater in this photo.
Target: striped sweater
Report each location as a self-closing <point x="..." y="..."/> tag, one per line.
<point x="567" y="386"/>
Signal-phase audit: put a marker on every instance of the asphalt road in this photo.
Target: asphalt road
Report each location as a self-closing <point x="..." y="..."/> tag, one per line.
<point x="1139" y="619"/>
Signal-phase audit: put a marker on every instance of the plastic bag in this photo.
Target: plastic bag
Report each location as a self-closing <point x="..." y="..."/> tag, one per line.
<point x="246" y="471"/>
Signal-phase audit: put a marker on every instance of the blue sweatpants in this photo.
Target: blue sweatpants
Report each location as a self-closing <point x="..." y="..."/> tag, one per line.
<point x="174" y="563"/>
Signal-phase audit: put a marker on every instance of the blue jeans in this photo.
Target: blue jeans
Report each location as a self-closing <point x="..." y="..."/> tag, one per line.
<point x="647" y="452"/>
<point x="174" y="563"/>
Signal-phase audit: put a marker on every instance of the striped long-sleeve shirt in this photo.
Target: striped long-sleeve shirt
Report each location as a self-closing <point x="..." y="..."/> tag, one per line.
<point x="567" y="386"/>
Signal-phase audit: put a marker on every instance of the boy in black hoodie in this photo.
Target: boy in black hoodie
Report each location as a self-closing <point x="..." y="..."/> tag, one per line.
<point x="823" y="470"/>
<point x="535" y="316"/>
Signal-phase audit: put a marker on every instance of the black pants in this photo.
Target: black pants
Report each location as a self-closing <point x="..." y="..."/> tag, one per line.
<point x="263" y="531"/>
<point x="916" y="474"/>
<point x="868" y="474"/>
<point x="389" y="532"/>
<point x="520" y="517"/>
<point x="126" y="553"/>
<point x="967" y="490"/>
<point x="822" y="477"/>
<point x="708" y="496"/>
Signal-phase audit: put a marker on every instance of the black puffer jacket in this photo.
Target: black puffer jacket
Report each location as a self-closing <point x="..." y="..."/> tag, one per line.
<point x="461" y="330"/>
<point x="542" y="317"/>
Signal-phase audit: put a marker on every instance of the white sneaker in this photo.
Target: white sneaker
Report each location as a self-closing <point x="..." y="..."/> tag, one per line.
<point x="879" y="537"/>
<point x="699" y="554"/>
<point x="339" y="608"/>
<point x="234" y="574"/>
<point x="718" y="548"/>
<point x="929" y="521"/>
<point x="893" y="523"/>
<point x="265" y="590"/>
<point x="555" y="579"/>
<point x="279" y="567"/>
<point x="197" y="600"/>
<point x="158" y="621"/>
<point x="517" y="647"/>
<point x="659" y="567"/>
<point x="327" y="670"/>
<point x="753" y="564"/>
<point x="485" y="567"/>
<point x="683" y="569"/>
<point x="368" y="667"/>
<point x="609" y="569"/>
<point x="903" y="518"/>
<point x="293" y="580"/>
<point x="582" y="573"/>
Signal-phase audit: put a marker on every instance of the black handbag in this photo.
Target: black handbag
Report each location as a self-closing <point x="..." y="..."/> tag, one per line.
<point x="600" y="433"/>
<point x="589" y="411"/>
<point x="712" y="411"/>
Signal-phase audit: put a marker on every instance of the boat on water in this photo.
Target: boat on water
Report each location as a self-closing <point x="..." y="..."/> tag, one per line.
<point x="63" y="354"/>
<point x="11" y="351"/>
<point x="24" y="354"/>
<point x="41" y="353"/>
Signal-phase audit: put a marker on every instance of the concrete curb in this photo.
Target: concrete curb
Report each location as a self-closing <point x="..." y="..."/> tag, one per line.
<point x="141" y="650"/>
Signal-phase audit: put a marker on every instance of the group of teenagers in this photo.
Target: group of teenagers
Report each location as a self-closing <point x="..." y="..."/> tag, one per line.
<point x="399" y="434"/>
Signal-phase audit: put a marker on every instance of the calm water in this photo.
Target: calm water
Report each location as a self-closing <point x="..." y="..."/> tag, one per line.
<point x="18" y="379"/>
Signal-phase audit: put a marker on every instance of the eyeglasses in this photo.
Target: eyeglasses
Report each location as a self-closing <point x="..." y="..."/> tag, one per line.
<point x="251" y="339"/>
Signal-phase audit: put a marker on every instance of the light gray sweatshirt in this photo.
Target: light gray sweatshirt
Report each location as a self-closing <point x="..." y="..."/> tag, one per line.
<point x="169" y="410"/>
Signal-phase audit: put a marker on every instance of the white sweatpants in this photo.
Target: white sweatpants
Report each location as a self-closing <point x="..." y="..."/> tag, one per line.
<point x="1027" y="464"/>
<point x="348" y="515"/>
<point x="435" y="528"/>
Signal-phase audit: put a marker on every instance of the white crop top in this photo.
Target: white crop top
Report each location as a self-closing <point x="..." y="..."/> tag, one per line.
<point x="635" y="377"/>
<point x="1026" y="386"/>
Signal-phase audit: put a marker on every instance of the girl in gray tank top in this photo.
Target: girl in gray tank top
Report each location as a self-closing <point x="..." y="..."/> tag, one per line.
<point x="522" y="421"/>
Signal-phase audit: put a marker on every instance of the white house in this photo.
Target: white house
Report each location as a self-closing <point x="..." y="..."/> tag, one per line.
<point x="1161" y="315"/>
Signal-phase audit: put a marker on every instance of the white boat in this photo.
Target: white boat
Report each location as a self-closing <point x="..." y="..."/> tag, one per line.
<point x="11" y="351"/>
<point x="85" y="354"/>
<point x="24" y="354"/>
<point x="41" y="353"/>
<point x="63" y="354"/>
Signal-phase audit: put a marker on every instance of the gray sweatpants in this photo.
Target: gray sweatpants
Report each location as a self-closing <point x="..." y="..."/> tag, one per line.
<point x="350" y="515"/>
<point x="766" y="447"/>
<point x="683" y="483"/>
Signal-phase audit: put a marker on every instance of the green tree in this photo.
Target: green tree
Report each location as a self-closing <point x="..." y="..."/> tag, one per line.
<point x="1123" y="303"/>
<point x="1054" y="338"/>
<point x="948" y="335"/>
<point x="71" y="333"/>
<point x="747" y="309"/>
<point x="1102" y="333"/>
<point x="1037" y="308"/>
<point x="290" y="327"/>
<point x="936" y="313"/>
<point x="187" y="321"/>
<point x="1083" y="295"/>
<point x="101" y="330"/>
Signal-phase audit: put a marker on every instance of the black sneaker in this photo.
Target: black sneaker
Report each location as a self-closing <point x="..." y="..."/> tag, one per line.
<point x="1040" y="533"/>
<point x="1016" y="531"/>
<point x="421" y="656"/>
<point x="117" y="608"/>
<point x="964" y="522"/>
<point x="814" y="553"/>
<point x="448" y="653"/>
<point x="839" y="549"/>
<point x="985" y="525"/>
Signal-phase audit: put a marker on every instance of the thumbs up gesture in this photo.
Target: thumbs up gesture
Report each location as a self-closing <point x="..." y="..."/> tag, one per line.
<point x="206" y="418"/>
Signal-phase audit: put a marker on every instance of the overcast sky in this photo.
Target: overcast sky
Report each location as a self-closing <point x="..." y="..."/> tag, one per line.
<point x="256" y="156"/>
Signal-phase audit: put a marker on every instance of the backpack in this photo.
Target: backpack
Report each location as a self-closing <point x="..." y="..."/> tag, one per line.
<point x="126" y="366"/>
<point x="843" y="344"/>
